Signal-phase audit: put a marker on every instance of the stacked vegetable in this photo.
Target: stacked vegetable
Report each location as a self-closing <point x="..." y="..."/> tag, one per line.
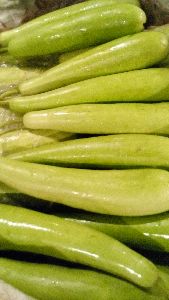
<point x="91" y="134"/>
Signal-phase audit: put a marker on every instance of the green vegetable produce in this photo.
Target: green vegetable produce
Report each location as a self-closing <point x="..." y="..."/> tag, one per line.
<point x="116" y="151"/>
<point x="133" y="52"/>
<point x="96" y="26"/>
<point x="149" y="85"/>
<point x="23" y="139"/>
<point x="103" y="118"/>
<point x="30" y="231"/>
<point x="115" y="192"/>
<point x="150" y="232"/>
<point x="49" y="18"/>
<point x="53" y="282"/>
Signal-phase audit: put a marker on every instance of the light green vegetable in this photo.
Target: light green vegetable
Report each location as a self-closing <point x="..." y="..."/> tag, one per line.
<point x="150" y="232"/>
<point x="116" y="192"/>
<point x="57" y="282"/>
<point x="26" y="230"/>
<point x="51" y="17"/>
<point x="97" y="26"/>
<point x="150" y="85"/>
<point x="116" y="151"/>
<point x="138" y="51"/>
<point x="103" y="118"/>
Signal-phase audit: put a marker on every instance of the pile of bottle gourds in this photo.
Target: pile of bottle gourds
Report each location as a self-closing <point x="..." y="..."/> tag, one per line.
<point x="84" y="182"/>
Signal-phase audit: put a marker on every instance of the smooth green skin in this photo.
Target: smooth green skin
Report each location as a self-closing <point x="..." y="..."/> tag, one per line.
<point x="56" y="282"/>
<point x="116" y="151"/>
<point x="150" y="233"/>
<point x="24" y="139"/>
<point x="149" y="85"/>
<point x="138" y="51"/>
<point x="8" y="117"/>
<point x="49" y="18"/>
<point x="103" y="118"/>
<point x="26" y="230"/>
<point x="116" y="192"/>
<point x="94" y="27"/>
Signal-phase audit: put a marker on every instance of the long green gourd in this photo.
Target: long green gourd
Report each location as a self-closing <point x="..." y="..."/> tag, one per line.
<point x="44" y="281"/>
<point x="138" y="51"/>
<point x="106" y="152"/>
<point x="135" y="192"/>
<point x="150" y="85"/>
<point x="51" y="17"/>
<point x="31" y="231"/>
<point x="150" y="233"/>
<point x="103" y="118"/>
<point x="96" y="26"/>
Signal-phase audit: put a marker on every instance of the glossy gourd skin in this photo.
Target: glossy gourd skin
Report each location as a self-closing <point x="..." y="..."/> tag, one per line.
<point x="44" y="281"/>
<point x="106" y="152"/>
<point x="150" y="85"/>
<point x="96" y="26"/>
<point x="150" y="232"/>
<point x="111" y="192"/>
<point x="103" y="118"/>
<point x="138" y="51"/>
<point x="26" y="230"/>
<point x="51" y="17"/>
